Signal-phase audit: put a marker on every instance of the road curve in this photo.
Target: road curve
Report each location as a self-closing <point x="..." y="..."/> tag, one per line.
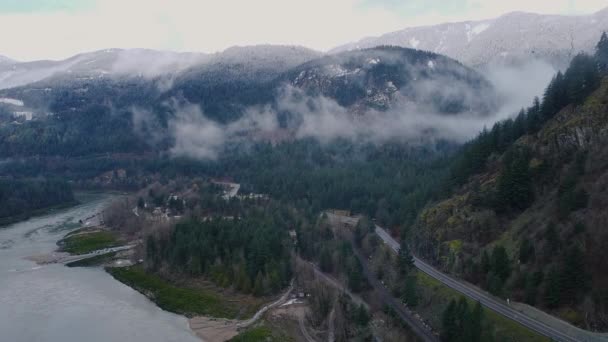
<point x="263" y="310"/>
<point x="487" y="300"/>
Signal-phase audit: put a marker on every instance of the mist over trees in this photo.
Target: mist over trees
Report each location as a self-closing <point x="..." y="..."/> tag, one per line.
<point x="518" y="217"/>
<point x="580" y="79"/>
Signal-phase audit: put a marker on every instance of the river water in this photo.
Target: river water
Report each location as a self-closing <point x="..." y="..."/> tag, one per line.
<point x="57" y="303"/>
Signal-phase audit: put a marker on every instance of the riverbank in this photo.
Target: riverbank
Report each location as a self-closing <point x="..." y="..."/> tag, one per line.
<point x="72" y="304"/>
<point x="6" y="221"/>
<point x="88" y="241"/>
<point x="214" y="314"/>
<point x="199" y="298"/>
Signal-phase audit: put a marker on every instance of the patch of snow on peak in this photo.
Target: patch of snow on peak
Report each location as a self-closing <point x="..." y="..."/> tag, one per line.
<point x="336" y="70"/>
<point x="373" y="61"/>
<point x="431" y="64"/>
<point x="524" y="36"/>
<point x="10" y="101"/>
<point x="414" y="42"/>
<point x="477" y="29"/>
<point x="467" y="27"/>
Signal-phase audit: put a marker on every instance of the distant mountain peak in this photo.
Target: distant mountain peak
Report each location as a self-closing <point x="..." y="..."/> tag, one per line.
<point x="6" y="60"/>
<point x="510" y="38"/>
<point x="150" y="63"/>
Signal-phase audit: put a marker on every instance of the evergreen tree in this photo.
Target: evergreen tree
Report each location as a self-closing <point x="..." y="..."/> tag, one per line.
<point x="151" y="253"/>
<point x="450" y="330"/>
<point x="362" y="315"/>
<point x="476" y="323"/>
<point x="526" y="251"/>
<point x="460" y="324"/>
<point x="601" y="53"/>
<point x="494" y="283"/>
<point x="552" y="293"/>
<point x="582" y="78"/>
<point x="325" y="260"/>
<point x="530" y="290"/>
<point x="573" y="277"/>
<point x="405" y="259"/>
<point x="553" y="240"/>
<point x="355" y="276"/>
<point x="500" y="263"/>
<point x="486" y="265"/>
<point x="465" y="328"/>
<point x="411" y="291"/>
<point x="555" y="97"/>
<point x="515" y="182"/>
<point x="258" y="287"/>
<point x="243" y="283"/>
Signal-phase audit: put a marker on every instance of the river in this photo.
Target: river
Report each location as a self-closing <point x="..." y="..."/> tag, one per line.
<point x="57" y="303"/>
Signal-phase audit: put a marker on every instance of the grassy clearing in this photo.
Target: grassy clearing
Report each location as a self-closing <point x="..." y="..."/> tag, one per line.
<point x="182" y="300"/>
<point x="93" y="261"/>
<point x="261" y="333"/>
<point x="87" y="243"/>
<point x="440" y="295"/>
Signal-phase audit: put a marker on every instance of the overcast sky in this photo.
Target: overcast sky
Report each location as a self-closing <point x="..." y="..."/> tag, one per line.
<point x="55" y="29"/>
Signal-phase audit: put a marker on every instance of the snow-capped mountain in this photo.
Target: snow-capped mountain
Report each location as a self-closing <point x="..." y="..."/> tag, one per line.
<point x="385" y="77"/>
<point x="151" y="63"/>
<point x="511" y="38"/>
<point x="258" y="63"/>
<point x="5" y="60"/>
<point x="98" y="64"/>
<point x="226" y="85"/>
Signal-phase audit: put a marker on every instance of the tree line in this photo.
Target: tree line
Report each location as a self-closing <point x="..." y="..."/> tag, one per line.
<point x="21" y="198"/>
<point x="580" y="79"/>
<point x="249" y="252"/>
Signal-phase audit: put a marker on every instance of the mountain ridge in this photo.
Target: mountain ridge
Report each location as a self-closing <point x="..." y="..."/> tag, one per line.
<point x="525" y="217"/>
<point x="133" y="62"/>
<point x="553" y="38"/>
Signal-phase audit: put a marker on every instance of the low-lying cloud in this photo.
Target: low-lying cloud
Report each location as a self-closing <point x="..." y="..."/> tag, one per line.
<point x="195" y="135"/>
<point x="518" y="85"/>
<point x="320" y="118"/>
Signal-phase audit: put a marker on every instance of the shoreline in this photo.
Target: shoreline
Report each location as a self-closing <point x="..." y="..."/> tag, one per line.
<point x="7" y="221"/>
<point x="211" y="329"/>
<point x="214" y="325"/>
<point x="208" y="326"/>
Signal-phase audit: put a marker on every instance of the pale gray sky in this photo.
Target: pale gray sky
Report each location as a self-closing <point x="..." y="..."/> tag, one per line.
<point x="55" y="29"/>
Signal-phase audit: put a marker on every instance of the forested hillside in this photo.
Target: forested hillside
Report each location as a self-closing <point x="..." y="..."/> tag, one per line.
<point x="21" y="198"/>
<point x="527" y="216"/>
<point x="249" y="251"/>
<point x="76" y="117"/>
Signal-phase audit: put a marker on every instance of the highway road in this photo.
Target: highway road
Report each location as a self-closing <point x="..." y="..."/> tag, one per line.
<point x="493" y="303"/>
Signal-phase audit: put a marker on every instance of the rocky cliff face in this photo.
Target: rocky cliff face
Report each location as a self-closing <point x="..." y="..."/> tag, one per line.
<point x="568" y="164"/>
<point x="385" y="77"/>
